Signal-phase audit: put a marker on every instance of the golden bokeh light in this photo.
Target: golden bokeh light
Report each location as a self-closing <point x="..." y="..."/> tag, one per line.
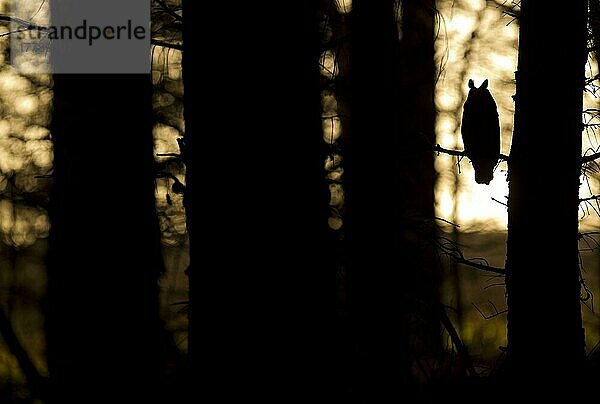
<point x="472" y="44"/>
<point x="343" y="6"/>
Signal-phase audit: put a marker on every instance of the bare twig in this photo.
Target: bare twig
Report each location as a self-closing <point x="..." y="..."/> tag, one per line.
<point x="493" y="285"/>
<point x="168" y="10"/>
<point x="590" y="198"/>
<point x="483" y="267"/>
<point x="446" y="221"/>
<point x="456" y="341"/>
<point x="461" y="153"/>
<point x="591" y="157"/>
<point x="440" y="149"/>
<point x="449" y="248"/>
<point x="165" y="44"/>
<point x="27" y="24"/>
<point x="500" y="202"/>
<point x="496" y="313"/>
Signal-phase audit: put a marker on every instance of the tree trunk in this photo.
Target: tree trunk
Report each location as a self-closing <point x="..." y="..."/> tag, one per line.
<point x="545" y="334"/>
<point x="191" y="64"/>
<point x="374" y="201"/>
<point x="263" y="296"/>
<point x="104" y="257"/>
<point x="417" y="120"/>
<point x="594" y="22"/>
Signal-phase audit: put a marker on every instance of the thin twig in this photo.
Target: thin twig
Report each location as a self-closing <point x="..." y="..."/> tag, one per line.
<point x="446" y="221"/>
<point x="460" y="347"/>
<point x="590" y="198"/>
<point x="483" y="267"/>
<point x="449" y="248"/>
<point x="168" y="10"/>
<point x="165" y="44"/>
<point x="591" y="157"/>
<point x="496" y="314"/>
<point x="440" y="149"/>
<point x="24" y="23"/>
<point x="500" y="202"/>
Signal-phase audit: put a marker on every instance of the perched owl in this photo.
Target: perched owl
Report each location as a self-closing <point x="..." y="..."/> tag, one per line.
<point x="481" y="131"/>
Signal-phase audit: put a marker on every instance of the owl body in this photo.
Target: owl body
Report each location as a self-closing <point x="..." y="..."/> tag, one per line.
<point x="481" y="131"/>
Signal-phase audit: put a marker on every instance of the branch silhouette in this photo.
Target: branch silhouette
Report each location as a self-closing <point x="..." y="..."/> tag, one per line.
<point x="590" y="198"/>
<point x="449" y="248"/>
<point x="590" y="158"/>
<point x="457" y="342"/>
<point x="461" y="153"/>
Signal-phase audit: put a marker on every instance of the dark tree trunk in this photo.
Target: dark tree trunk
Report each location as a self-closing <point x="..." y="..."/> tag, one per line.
<point x="545" y="334"/>
<point x="594" y="22"/>
<point x="191" y="65"/>
<point x="104" y="257"/>
<point x="263" y="295"/>
<point x="417" y="120"/>
<point x="374" y="201"/>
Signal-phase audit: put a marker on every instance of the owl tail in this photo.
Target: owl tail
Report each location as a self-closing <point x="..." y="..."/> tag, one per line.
<point x="484" y="170"/>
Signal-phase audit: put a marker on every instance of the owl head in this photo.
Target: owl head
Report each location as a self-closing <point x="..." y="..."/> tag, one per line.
<point x="483" y="85"/>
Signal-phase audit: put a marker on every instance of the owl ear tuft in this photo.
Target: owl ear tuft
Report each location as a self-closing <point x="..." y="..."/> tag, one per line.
<point x="484" y="84"/>
<point x="471" y="84"/>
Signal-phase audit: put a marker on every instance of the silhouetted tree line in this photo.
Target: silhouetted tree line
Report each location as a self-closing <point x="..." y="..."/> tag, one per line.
<point x="283" y="308"/>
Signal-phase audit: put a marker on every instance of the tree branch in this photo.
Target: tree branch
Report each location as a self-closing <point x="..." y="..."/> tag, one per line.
<point x="168" y="10"/>
<point x="590" y="198"/>
<point x="449" y="248"/>
<point x="456" y="341"/>
<point x="28" y="26"/>
<point x="23" y="23"/>
<point x="591" y="157"/>
<point x="461" y="153"/>
<point x="165" y="44"/>
<point x="510" y="10"/>
<point x="483" y="267"/>
<point x="496" y="312"/>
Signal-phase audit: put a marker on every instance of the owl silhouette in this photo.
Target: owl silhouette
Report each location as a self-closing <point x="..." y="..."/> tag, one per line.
<point x="481" y="131"/>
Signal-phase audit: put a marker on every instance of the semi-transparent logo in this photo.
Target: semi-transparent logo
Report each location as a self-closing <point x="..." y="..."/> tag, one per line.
<point x="80" y="36"/>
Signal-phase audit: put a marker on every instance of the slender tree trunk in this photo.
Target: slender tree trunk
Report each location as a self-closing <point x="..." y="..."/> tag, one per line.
<point x="417" y="116"/>
<point x="263" y="294"/>
<point x="545" y="334"/>
<point x="104" y="257"/>
<point x="191" y="65"/>
<point x="594" y="22"/>
<point x="374" y="201"/>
